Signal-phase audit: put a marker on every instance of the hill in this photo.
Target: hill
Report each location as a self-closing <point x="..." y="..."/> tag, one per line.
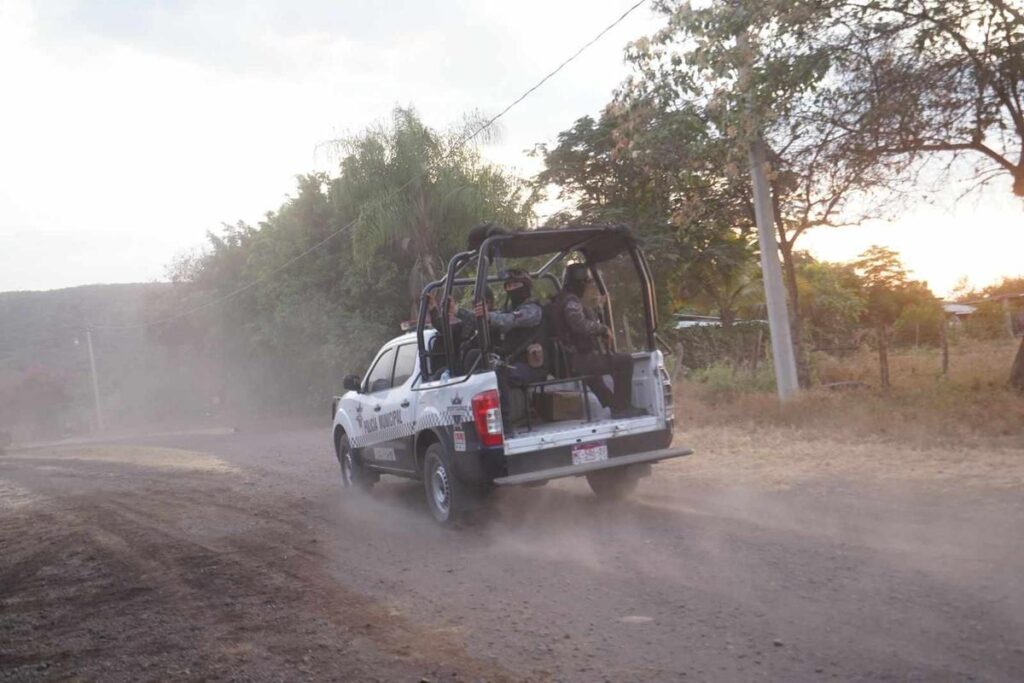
<point x="45" y="387"/>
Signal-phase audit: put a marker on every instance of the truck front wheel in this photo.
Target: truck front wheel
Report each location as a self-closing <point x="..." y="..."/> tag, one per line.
<point x="613" y="484"/>
<point x="352" y="473"/>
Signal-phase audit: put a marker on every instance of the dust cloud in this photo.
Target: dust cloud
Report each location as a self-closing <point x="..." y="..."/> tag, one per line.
<point x="689" y="533"/>
<point x="75" y="364"/>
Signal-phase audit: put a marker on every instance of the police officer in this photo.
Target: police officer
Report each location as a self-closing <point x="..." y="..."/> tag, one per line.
<point x="462" y="325"/>
<point x="518" y="324"/>
<point x="581" y="334"/>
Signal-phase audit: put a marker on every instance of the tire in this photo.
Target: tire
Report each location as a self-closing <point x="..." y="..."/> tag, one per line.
<point x="446" y="495"/>
<point x="613" y="484"/>
<point x="353" y="476"/>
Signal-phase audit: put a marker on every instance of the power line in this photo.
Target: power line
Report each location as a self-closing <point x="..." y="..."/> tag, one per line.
<point x="458" y="144"/>
<point x="553" y="72"/>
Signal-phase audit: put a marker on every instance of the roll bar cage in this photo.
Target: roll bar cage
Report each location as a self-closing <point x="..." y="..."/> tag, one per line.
<point x="595" y="243"/>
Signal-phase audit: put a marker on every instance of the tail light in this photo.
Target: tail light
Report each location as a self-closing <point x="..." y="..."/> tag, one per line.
<point x="666" y="388"/>
<point x="487" y="415"/>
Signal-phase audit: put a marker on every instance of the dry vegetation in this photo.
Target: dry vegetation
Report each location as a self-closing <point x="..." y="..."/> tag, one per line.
<point x="967" y="428"/>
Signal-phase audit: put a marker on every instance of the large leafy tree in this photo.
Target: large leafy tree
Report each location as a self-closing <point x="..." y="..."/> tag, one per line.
<point x="1006" y="297"/>
<point x="720" y="270"/>
<point x="926" y="79"/>
<point x="888" y="293"/>
<point x="625" y="167"/>
<point x="419" y="191"/>
<point x="832" y="301"/>
<point x="675" y="139"/>
<point x="923" y="81"/>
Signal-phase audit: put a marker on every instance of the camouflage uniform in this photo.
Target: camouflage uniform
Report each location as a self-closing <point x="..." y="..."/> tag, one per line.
<point x="578" y="331"/>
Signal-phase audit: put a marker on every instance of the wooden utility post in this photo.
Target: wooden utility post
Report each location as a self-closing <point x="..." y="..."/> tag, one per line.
<point x="95" y="381"/>
<point x="944" y="342"/>
<point x="1008" y="316"/>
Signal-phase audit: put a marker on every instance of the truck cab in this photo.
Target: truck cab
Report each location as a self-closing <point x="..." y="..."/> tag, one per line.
<point x="438" y="405"/>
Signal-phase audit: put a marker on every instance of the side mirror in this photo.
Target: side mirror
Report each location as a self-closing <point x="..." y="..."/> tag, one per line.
<point x="352" y="383"/>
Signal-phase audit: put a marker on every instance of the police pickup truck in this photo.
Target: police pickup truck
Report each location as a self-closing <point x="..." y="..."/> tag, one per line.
<point x="438" y="405"/>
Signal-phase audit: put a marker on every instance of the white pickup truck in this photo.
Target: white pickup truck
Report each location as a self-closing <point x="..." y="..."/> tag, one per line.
<point x="434" y="405"/>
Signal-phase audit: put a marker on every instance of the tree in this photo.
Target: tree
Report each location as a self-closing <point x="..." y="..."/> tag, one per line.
<point x="1000" y="307"/>
<point x="625" y="167"/>
<point x="919" y="78"/>
<point x="338" y="264"/>
<point x="604" y="175"/>
<point x="832" y="302"/>
<point x="767" y="85"/>
<point x="720" y="270"/>
<point x="901" y="82"/>
<point x="420" y="191"/>
<point x="1007" y="291"/>
<point x="920" y="324"/>
<point x="888" y="293"/>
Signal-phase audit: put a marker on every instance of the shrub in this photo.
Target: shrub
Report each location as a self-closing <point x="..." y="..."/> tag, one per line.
<point x="737" y="345"/>
<point x="723" y="382"/>
<point x="987" y="322"/>
<point x="919" y="324"/>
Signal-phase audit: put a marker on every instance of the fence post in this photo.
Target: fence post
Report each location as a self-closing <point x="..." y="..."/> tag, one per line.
<point x="944" y="343"/>
<point x="757" y="351"/>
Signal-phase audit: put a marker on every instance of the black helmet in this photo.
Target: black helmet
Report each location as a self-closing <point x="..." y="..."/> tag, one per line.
<point x="481" y="232"/>
<point x="518" y="285"/>
<point x="576" y="277"/>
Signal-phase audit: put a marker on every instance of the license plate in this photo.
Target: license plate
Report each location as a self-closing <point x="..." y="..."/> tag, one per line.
<point x="589" y="452"/>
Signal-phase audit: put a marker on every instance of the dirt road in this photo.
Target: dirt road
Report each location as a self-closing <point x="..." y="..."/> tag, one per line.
<point x="235" y="556"/>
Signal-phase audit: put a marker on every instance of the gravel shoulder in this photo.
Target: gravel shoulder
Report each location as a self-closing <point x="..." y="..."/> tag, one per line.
<point x="236" y="557"/>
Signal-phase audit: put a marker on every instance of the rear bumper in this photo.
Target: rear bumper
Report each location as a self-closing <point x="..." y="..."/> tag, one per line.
<point x="577" y="470"/>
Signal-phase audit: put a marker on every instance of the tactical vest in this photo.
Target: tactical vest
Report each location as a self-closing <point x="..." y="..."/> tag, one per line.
<point x="578" y="343"/>
<point x="515" y="341"/>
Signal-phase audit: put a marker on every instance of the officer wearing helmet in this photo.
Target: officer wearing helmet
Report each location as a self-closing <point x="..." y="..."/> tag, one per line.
<point x="517" y="325"/>
<point x="580" y="332"/>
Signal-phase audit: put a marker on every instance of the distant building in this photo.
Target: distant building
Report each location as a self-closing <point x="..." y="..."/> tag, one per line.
<point x="957" y="311"/>
<point x="686" y="320"/>
<point x="1011" y="303"/>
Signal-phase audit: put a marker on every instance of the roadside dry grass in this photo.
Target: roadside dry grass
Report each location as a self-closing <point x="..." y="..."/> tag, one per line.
<point x="973" y="364"/>
<point x="777" y="456"/>
<point x="921" y="408"/>
<point x="966" y="429"/>
<point x="139" y="456"/>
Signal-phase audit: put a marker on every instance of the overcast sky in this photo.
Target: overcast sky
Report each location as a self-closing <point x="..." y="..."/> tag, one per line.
<point x="129" y="128"/>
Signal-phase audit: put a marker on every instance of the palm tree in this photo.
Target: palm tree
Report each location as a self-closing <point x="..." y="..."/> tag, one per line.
<point x="419" y="192"/>
<point x="719" y="269"/>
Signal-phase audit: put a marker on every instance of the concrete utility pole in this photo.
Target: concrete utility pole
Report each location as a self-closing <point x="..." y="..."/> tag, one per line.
<point x="95" y="381"/>
<point x="771" y="272"/>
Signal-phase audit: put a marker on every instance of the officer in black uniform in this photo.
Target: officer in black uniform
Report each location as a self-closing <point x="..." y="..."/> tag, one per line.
<point x="581" y="333"/>
<point x="518" y="326"/>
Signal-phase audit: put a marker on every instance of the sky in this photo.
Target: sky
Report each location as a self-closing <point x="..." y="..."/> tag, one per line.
<point x="129" y="129"/>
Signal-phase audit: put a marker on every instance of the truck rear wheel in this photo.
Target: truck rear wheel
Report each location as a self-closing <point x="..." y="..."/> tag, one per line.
<point x="446" y="495"/>
<point x="613" y="484"/>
